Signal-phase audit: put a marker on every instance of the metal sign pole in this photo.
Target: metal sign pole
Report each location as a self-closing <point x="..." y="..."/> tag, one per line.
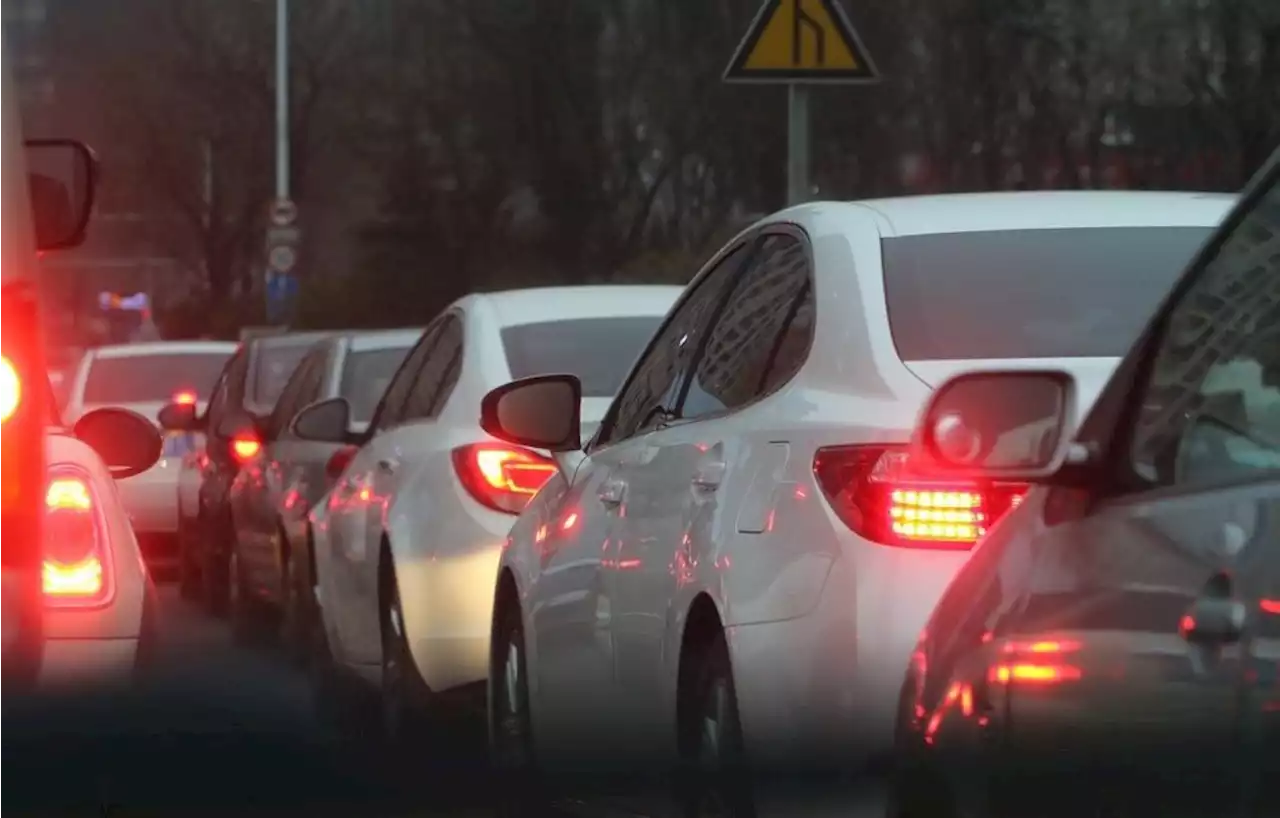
<point x="798" y="187"/>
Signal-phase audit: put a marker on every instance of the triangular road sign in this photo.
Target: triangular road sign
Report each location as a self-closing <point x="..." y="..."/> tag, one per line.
<point x="793" y="41"/>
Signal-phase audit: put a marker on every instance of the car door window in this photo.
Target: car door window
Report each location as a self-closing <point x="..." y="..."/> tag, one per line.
<point x="1211" y="409"/>
<point x="650" y="391"/>
<point x="296" y="392"/>
<point x="433" y="386"/>
<point x="737" y="363"/>
<point x="228" y="395"/>
<point x="391" y="408"/>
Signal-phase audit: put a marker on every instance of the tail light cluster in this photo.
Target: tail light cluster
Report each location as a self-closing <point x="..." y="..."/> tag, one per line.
<point x="245" y="446"/>
<point x="875" y="492"/>
<point x="10" y="389"/>
<point x="503" y="478"/>
<point x="76" y="570"/>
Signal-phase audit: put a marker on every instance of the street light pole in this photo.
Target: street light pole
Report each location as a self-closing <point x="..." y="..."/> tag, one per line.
<point x="282" y="99"/>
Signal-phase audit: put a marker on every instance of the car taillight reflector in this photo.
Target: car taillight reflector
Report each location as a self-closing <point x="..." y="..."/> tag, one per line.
<point x="503" y="478"/>
<point x="75" y="567"/>
<point x="10" y="389"/>
<point x="873" y="490"/>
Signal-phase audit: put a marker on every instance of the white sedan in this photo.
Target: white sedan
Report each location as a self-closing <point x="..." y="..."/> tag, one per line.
<point x="98" y="595"/>
<point x="407" y="542"/>
<point x="739" y="563"/>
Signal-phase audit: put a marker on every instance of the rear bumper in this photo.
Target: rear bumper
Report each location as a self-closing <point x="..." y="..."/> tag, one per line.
<point x="88" y="661"/>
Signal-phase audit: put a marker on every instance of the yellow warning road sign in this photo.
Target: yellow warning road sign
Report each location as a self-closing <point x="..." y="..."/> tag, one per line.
<point x="796" y="41"/>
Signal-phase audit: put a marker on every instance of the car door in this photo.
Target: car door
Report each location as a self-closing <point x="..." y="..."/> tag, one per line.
<point x="350" y="503"/>
<point x="220" y="466"/>
<point x="688" y="491"/>
<point x="399" y="454"/>
<point x="571" y="607"/>
<point x="1137" y="668"/>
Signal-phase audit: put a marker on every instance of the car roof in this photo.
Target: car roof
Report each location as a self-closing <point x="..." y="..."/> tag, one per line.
<point x="1029" y="210"/>
<point x="384" y="339"/>
<point x="537" y="304"/>
<point x="145" y="348"/>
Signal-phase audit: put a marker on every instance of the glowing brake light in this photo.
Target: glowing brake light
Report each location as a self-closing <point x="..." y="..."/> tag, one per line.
<point x="874" y="492"/>
<point x="185" y="398"/>
<point x="245" y="447"/>
<point x="503" y="478"/>
<point x="75" y="568"/>
<point x="10" y="389"/>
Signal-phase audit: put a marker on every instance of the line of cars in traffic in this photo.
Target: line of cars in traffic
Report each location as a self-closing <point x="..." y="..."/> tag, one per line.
<point x="915" y="479"/>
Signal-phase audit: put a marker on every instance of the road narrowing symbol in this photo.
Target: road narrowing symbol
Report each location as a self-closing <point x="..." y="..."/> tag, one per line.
<point x="794" y="41"/>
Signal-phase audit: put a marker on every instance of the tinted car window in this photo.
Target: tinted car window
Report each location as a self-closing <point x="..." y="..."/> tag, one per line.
<point x="1053" y="293"/>
<point x="438" y="374"/>
<point x="152" y="378"/>
<point x="365" y="377"/>
<point x="273" y="364"/>
<point x="597" y="350"/>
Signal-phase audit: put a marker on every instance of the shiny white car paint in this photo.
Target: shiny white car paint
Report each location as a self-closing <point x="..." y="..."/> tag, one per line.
<point x="97" y="644"/>
<point x="443" y="544"/>
<point x="819" y="622"/>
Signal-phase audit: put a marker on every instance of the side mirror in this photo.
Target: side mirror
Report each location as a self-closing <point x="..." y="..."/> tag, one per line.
<point x="179" y="417"/>
<point x="127" y="442"/>
<point x="325" y="421"/>
<point x="63" y="176"/>
<point x="997" y="425"/>
<point x="541" y="412"/>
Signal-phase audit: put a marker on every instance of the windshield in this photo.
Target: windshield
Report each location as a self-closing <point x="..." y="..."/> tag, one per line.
<point x="599" y="351"/>
<point x="152" y="378"/>
<point x="1066" y="293"/>
<point x="272" y="367"/>
<point x="365" y="376"/>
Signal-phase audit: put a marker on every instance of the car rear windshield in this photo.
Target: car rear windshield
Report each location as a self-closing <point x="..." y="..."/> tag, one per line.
<point x="152" y="378"/>
<point x="365" y="376"/>
<point x="273" y="364"/>
<point x="1061" y="293"/>
<point x="599" y="351"/>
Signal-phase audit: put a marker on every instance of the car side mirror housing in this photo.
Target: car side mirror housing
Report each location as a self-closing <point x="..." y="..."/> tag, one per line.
<point x="63" y="178"/>
<point x="542" y="412"/>
<point x="179" y="417"/>
<point x="126" y="441"/>
<point x="325" y="421"/>
<point x="998" y="425"/>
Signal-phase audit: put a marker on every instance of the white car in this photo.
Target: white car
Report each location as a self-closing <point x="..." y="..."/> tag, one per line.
<point x="145" y="377"/>
<point x="741" y="559"/>
<point x="407" y="541"/>
<point x="98" y="596"/>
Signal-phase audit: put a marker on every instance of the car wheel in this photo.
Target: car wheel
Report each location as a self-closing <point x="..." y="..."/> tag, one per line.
<point x="714" y="778"/>
<point x="511" y="729"/>
<point x="247" y="613"/>
<point x="403" y="692"/>
<point x="297" y="611"/>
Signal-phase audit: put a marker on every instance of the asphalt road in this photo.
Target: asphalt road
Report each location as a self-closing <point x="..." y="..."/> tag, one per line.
<point x="221" y="730"/>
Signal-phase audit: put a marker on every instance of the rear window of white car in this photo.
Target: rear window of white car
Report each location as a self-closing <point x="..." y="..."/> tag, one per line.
<point x="365" y="376"/>
<point x="1061" y="293"/>
<point x="273" y="364"/>
<point x="600" y="351"/>
<point x="152" y="378"/>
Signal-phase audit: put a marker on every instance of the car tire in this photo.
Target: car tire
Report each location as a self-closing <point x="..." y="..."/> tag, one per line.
<point x="519" y="787"/>
<point x="297" y="610"/>
<point x="403" y="694"/>
<point x="248" y="615"/>
<point x="713" y="777"/>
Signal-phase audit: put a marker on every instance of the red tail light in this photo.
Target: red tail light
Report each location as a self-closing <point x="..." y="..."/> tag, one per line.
<point x="185" y="398"/>
<point x="874" y="492"/>
<point x="76" y="569"/>
<point x="339" y="461"/>
<point x="503" y="478"/>
<point x="10" y="389"/>
<point x="245" y="447"/>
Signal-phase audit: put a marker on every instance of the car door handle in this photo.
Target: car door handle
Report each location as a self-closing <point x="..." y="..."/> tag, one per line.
<point x="1214" y="621"/>
<point x="708" y="475"/>
<point x="613" y="492"/>
<point x="389" y="465"/>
